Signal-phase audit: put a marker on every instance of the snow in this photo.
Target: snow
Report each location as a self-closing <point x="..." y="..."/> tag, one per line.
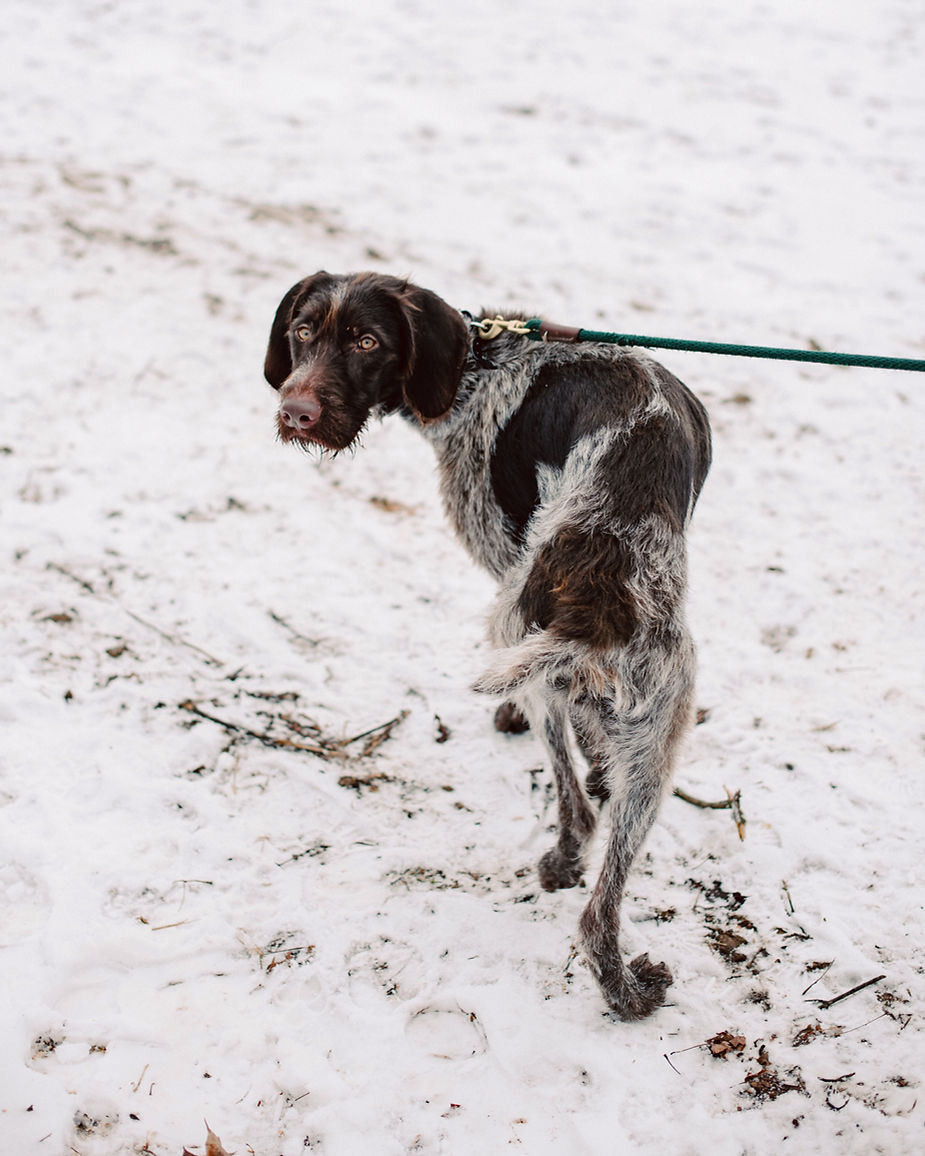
<point x="350" y="953"/>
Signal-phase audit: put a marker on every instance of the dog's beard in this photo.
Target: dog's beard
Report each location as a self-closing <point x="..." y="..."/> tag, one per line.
<point x="336" y="431"/>
<point x="322" y="445"/>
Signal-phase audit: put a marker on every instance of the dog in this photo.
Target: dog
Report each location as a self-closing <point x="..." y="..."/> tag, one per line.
<point x="570" y="472"/>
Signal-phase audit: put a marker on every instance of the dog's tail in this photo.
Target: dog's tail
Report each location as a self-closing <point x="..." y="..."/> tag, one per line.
<point x="541" y="657"/>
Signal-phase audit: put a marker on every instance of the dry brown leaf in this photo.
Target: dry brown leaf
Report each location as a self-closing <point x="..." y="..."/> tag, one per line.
<point x="390" y="505"/>
<point x="213" y="1144"/>
<point x="725" y="1042"/>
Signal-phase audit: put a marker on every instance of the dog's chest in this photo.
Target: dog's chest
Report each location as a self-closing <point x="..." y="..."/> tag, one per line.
<point x="468" y="498"/>
<point x="464" y="445"/>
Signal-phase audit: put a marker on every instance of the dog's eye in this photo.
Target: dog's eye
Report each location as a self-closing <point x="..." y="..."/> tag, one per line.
<point x="367" y="342"/>
<point x="303" y="333"/>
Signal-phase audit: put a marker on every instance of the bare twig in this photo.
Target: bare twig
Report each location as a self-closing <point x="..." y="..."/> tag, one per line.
<point x="733" y="802"/>
<point x="818" y="977"/>
<point x="325" y="748"/>
<point x="173" y="639"/>
<point x="735" y="805"/>
<point x="866" y="1023"/>
<point x="827" y="1003"/>
<point x="681" y="1051"/>
<point x="267" y="740"/>
<point x="73" y="577"/>
<point x="313" y="642"/>
<point x="376" y="736"/>
<point x="700" y="802"/>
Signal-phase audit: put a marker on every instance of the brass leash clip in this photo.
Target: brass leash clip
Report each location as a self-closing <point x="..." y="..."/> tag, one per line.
<point x="490" y="327"/>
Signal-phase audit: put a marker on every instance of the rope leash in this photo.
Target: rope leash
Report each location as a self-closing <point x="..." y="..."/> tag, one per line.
<point x="539" y="330"/>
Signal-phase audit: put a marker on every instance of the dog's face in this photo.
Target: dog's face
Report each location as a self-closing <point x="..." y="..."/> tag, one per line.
<point x="343" y="347"/>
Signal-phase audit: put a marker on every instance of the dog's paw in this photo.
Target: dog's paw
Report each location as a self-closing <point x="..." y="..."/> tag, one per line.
<point x="636" y="990"/>
<point x="509" y="720"/>
<point x="597" y="783"/>
<point x="558" y="871"/>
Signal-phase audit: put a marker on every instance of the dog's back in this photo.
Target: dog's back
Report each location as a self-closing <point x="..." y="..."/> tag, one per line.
<point x="567" y="464"/>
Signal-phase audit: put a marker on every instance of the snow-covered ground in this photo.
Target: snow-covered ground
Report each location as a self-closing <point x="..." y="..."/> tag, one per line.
<point x="347" y="951"/>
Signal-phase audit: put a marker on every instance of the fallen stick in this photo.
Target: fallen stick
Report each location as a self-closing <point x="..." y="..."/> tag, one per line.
<point x="827" y="1003"/>
<point x="818" y="977"/>
<point x="733" y="803"/>
<point x="376" y="735"/>
<point x="313" y="642"/>
<point x="173" y="639"/>
<point x="326" y="749"/>
<point x="266" y="740"/>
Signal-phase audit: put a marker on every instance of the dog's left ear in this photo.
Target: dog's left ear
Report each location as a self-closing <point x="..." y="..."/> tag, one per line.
<point x="439" y="343"/>
<point x="278" y="363"/>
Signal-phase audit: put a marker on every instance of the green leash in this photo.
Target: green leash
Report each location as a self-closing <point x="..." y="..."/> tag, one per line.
<point x="538" y="330"/>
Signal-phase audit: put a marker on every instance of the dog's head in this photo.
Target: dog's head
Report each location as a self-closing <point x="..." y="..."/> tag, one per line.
<point x="342" y="347"/>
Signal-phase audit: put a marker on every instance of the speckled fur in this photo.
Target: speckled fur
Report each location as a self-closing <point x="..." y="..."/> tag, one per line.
<point x="583" y="526"/>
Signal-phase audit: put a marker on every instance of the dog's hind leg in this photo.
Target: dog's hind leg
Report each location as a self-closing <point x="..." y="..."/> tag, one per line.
<point x="563" y="865"/>
<point x="597" y="780"/>
<point x="522" y="671"/>
<point x="642" y="741"/>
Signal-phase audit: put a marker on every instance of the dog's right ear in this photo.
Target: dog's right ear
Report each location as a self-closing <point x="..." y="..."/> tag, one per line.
<point x="278" y="363"/>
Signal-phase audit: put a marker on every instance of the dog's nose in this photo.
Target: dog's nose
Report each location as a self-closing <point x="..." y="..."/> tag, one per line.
<point x="300" y="413"/>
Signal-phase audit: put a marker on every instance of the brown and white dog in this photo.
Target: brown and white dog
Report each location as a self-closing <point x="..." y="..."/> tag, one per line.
<point x="570" y="472"/>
